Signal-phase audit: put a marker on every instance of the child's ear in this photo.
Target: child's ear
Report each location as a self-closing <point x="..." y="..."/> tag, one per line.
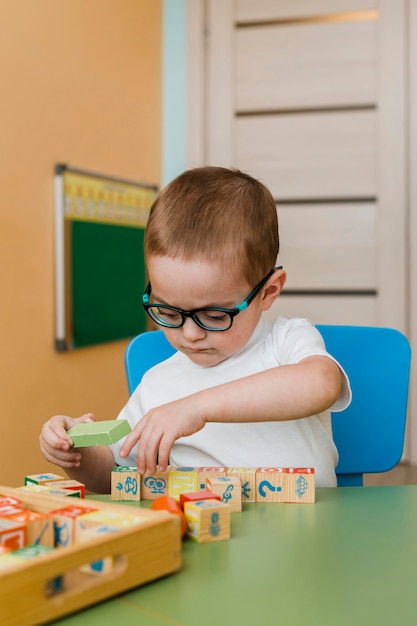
<point x="273" y="288"/>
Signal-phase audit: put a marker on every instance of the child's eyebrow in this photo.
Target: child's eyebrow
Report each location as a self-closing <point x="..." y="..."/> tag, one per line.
<point x="157" y="299"/>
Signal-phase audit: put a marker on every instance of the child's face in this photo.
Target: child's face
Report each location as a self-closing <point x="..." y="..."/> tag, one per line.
<point x="196" y="284"/>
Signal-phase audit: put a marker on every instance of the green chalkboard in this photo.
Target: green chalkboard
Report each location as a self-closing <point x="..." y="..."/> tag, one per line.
<point x="100" y="273"/>
<point x="108" y="279"/>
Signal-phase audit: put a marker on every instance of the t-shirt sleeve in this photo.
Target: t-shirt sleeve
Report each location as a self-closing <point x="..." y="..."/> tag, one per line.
<point x="297" y="339"/>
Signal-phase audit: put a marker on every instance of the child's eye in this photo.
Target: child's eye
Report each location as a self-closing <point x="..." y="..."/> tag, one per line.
<point x="213" y="316"/>
<point x="168" y="314"/>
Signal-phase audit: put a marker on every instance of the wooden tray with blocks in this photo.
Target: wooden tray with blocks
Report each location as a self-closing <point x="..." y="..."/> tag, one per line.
<point x="60" y="582"/>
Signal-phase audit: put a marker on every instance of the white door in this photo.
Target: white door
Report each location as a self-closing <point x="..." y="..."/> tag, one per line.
<point x="309" y="97"/>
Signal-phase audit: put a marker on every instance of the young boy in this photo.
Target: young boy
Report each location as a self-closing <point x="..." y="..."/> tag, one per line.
<point x="240" y="390"/>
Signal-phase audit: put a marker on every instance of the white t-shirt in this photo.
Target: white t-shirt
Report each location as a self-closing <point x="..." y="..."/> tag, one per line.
<point x="303" y="442"/>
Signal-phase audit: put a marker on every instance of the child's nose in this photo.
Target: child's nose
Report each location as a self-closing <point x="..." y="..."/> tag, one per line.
<point x="191" y="330"/>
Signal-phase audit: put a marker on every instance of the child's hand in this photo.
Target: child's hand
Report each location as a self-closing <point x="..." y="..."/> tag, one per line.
<point x="56" y="446"/>
<point x="158" y="430"/>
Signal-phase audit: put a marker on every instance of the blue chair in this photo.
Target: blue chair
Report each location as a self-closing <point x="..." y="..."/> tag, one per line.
<point x="369" y="434"/>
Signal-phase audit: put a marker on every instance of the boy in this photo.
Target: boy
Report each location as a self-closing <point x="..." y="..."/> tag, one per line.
<point x="240" y="391"/>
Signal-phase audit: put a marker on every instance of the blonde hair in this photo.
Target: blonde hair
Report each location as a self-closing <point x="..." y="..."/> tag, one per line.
<point x="216" y="215"/>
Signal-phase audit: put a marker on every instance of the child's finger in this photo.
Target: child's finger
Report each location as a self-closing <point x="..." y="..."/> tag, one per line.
<point x="131" y="440"/>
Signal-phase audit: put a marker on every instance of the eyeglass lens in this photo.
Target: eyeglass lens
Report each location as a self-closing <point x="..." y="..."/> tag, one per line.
<point x="209" y="319"/>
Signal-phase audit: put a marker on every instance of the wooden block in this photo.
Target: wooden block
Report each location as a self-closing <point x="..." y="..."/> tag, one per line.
<point x="300" y="485"/>
<point x="125" y="484"/>
<point x="101" y="433"/>
<point x="5" y="511"/>
<point x="43" y="479"/>
<point x="33" y="488"/>
<point x="197" y="496"/>
<point x="6" y="501"/>
<point x="270" y="484"/>
<point x="247" y="477"/>
<point x="182" y="480"/>
<point x="65" y="493"/>
<point x="229" y="488"/>
<point x="103" y="517"/>
<point x="154" y="485"/>
<point x="64" y="523"/>
<point x="72" y="485"/>
<point x="39" y="527"/>
<point x="205" y="472"/>
<point x="170" y="504"/>
<point x="207" y="520"/>
<point x="12" y="534"/>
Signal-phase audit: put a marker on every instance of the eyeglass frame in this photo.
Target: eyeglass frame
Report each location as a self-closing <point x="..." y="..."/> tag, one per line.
<point x="193" y="312"/>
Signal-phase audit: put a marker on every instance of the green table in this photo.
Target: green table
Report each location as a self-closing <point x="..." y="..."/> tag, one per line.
<point x="348" y="560"/>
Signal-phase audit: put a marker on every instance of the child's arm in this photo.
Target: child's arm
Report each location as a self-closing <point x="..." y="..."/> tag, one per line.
<point x="282" y="393"/>
<point x="91" y="466"/>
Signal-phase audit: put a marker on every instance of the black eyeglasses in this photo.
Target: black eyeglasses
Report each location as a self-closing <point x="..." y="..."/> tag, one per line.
<point x="212" y="318"/>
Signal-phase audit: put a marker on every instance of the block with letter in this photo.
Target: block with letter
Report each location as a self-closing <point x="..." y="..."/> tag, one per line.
<point x="229" y="488"/>
<point x="270" y="484"/>
<point x="207" y="520"/>
<point x="182" y="480"/>
<point x="43" y="479"/>
<point x="154" y="485"/>
<point x="206" y="472"/>
<point x="125" y="484"/>
<point x="247" y="477"/>
<point x="102" y="433"/>
<point x="300" y="485"/>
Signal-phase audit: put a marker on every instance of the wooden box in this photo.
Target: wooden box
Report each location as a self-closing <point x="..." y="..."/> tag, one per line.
<point x="139" y="554"/>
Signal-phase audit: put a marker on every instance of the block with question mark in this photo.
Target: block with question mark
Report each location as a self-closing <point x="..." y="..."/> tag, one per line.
<point x="270" y="484"/>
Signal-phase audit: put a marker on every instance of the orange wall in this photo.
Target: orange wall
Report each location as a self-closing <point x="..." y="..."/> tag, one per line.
<point x="80" y="84"/>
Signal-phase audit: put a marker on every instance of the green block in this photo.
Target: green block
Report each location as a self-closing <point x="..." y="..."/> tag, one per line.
<point x="101" y="433"/>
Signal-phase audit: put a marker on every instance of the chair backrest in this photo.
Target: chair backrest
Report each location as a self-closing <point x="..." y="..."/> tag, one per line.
<point x="369" y="434"/>
<point x="142" y="353"/>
